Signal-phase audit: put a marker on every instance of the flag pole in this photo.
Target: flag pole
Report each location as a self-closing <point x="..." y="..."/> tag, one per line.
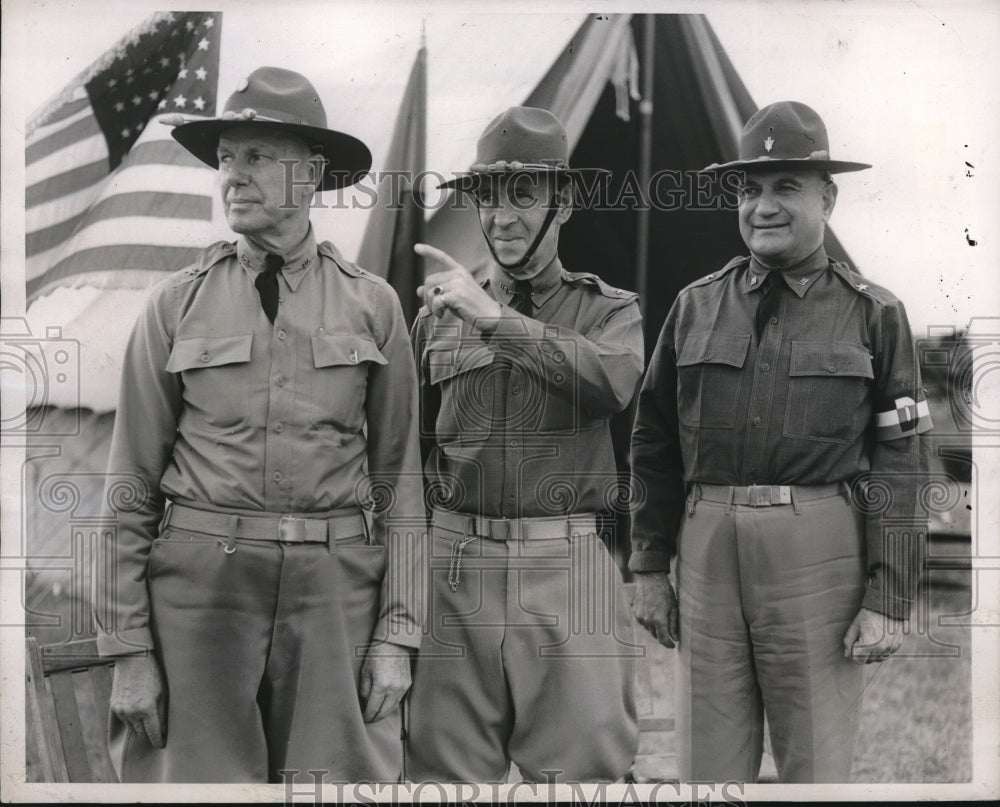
<point x="645" y="157"/>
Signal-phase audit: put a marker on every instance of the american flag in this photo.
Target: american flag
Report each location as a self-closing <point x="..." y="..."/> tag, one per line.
<point x="111" y="199"/>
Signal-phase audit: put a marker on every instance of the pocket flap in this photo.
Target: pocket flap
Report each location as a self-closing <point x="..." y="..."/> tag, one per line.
<point x="830" y="359"/>
<point x="194" y="352"/>
<point x="445" y="363"/>
<point x="330" y="349"/>
<point x="713" y="347"/>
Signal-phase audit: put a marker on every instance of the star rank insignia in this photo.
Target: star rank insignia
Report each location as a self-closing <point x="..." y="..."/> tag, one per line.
<point x="803" y="281"/>
<point x="768" y="144"/>
<point x="753" y="280"/>
<point x="861" y="286"/>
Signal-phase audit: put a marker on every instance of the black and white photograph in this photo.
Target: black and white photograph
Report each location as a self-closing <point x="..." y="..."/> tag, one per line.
<point x="476" y="402"/>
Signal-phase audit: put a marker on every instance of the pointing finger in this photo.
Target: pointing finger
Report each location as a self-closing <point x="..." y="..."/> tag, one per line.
<point x="441" y="257"/>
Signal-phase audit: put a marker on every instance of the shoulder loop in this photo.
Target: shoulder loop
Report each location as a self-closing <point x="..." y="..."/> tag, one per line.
<point x="711" y="277"/>
<point x="210" y="256"/>
<point x="328" y="250"/>
<point x="860" y="284"/>
<point x="607" y="290"/>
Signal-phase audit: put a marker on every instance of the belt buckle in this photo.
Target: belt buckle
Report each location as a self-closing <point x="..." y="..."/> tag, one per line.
<point x="291" y="530"/>
<point x="500" y="529"/>
<point x="758" y="496"/>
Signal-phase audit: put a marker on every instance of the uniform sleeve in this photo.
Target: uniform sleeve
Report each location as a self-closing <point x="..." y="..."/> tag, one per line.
<point x="394" y="469"/>
<point x="141" y="446"/>
<point x="429" y="394"/>
<point x="894" y="521"/>
<point x="604" y="365"/>
<point x="657" y="466"/>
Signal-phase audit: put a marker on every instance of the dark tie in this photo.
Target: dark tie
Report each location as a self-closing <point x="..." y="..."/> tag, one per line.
<point x="267" y="285"/>
<point x="770" y="299"/>
<point x="521" y="301"/>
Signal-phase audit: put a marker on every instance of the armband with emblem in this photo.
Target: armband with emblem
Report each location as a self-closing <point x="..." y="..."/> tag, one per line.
<point x="906" y="418"/>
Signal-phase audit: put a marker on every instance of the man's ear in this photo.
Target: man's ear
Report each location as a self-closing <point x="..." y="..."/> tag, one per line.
<point x="829" y="199"/>
<point x="564" y="198"/>
<point x="317" y="168"/>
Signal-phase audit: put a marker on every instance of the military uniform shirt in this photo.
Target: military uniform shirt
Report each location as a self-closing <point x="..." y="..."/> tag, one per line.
<point x="220" y="409"/>
<point x="514" y="415"/>
<point x="829" y="390"/>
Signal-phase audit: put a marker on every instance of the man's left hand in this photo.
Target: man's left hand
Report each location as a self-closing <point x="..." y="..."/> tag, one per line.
<point x="385" y="679"/>
<point x="453" y="288"/>
<point x="873" y="637"/>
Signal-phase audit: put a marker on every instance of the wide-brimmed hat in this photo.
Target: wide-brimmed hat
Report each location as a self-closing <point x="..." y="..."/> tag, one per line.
<point x="786" y="135"/>
<point x="272" y="98"/>
<point x="523" y="139"/>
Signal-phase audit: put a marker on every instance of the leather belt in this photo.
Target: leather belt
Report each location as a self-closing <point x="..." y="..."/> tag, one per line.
<point x="765" y="495"/>
<point x="516" y="529"/>
<point x="268" y="526"/>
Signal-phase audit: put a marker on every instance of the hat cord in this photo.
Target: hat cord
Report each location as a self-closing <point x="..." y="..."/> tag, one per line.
<point x="549" y="217"/>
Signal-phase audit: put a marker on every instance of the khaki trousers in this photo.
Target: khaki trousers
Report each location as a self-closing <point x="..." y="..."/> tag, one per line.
<point x="261" y="650"/>
<point x="529" y="659"/>
<point x="766" y="596"/>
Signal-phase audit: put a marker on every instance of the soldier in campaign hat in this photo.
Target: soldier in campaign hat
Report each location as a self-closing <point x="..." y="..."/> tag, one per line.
<point x="529" y="653"/>
<point x="262" y="623"/>
<point x="782" y="396"/>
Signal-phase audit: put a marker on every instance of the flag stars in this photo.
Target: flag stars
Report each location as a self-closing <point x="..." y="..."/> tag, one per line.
<point x="189" y="25"/>
<point x="112" y="83"/>
<point x="153" y="95"/>
<point x="119" y="107"/>
<point x="180" y="101"/>
<point x="199" y="103"/>
<point x="165" y="62"/>
<point x="136" y="100"/>
<point x="162" y="104"/>
<point x="126" y="134"/>
<point x="183" y="73"/>
<point x="201" y="73"/>
<point x="209" y="22"/>
<point x="203" y="44"/>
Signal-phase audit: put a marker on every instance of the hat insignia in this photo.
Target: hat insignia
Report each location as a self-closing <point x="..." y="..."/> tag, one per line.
<point x="768" y="143"/>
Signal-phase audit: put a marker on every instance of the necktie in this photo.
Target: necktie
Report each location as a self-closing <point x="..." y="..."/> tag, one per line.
<point x="770" y="299"/>
<point x="521" y="301"/>
<point x="267" y="285"/>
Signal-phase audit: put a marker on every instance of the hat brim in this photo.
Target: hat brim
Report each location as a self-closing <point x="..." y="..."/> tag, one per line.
<point x="767" y="164"/>
<point x="348" y="159"/>
<point x="471" y="180"/>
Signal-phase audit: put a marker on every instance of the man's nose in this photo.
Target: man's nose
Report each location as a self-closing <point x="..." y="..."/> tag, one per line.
<point x="504" y="214"/>
<point x="234" y="173"/>
<point x="767" y="204"/>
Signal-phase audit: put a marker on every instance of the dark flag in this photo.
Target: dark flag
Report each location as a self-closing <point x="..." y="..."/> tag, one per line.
<point x="397" y="221"/>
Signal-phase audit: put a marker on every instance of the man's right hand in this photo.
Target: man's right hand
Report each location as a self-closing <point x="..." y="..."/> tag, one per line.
<point x="655" y="607"/>
<point x="137" y="697"/>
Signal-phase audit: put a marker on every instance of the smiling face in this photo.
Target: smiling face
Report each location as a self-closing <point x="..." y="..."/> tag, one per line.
<point x="512" y="210"/>
<point x="783" y="214"/>
<point x="267" y="181"/>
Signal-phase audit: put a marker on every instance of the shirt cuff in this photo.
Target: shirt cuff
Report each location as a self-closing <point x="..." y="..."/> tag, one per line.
<point x="125" y="642"/>
<point x="649" y="561"/>
<point x="893" y="607"/>
<point x="407" y="634"/>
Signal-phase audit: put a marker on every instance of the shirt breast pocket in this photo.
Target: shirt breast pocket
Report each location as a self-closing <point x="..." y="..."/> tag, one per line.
<point x="709" y="378"/>
<point x="465" y="376"/>
<point x="340" y="378"/>
<point x="215" y="371"/>
<point x="828" y="392"/>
